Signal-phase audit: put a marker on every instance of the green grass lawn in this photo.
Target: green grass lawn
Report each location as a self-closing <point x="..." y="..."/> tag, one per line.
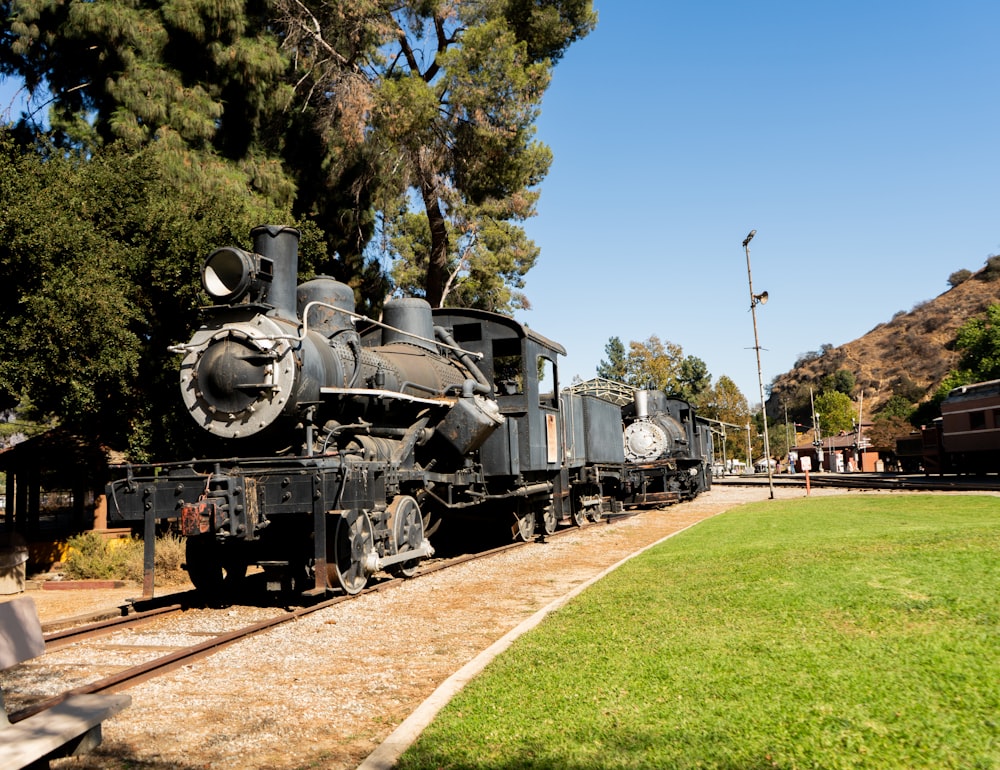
<point x="835" y="632"/>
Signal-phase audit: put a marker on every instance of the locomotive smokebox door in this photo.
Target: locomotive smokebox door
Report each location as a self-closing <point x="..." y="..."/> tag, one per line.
<point x="469" y="423"/>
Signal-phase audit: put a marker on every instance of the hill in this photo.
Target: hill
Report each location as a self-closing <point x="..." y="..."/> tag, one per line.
<point x="908" y="355"/>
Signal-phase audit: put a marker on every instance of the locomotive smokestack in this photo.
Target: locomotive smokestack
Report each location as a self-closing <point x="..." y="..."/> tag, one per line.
<point x="280" y="244"/>
<point x="641" y="398"/>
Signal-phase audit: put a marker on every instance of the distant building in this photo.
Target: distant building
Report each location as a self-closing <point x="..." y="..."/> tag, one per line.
<point x="844" y="453"/>
<point x="55" y="484"/>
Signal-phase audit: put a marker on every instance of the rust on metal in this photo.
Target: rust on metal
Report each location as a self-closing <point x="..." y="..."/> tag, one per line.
<point x="198" y="518"/>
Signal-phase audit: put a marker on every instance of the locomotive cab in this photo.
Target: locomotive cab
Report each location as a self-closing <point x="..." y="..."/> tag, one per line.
<point x="523" y="368"/>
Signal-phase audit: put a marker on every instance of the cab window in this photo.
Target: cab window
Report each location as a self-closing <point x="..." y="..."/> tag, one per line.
<point x="548" y="394"/>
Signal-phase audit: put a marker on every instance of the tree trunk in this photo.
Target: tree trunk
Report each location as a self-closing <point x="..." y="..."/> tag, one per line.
<point x="437" y="262"/>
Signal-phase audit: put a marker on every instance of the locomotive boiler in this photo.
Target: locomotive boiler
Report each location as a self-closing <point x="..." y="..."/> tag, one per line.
<point x="273" y="356"/>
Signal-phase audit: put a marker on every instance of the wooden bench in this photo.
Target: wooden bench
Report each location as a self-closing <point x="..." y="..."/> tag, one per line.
<point x="68" y="728"/>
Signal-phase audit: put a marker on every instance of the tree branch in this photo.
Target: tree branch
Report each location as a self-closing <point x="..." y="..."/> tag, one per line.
<point x="316" y="33"/>
<point x="407" y="50"/>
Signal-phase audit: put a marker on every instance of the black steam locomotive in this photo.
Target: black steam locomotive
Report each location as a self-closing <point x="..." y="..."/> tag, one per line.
<point x="668" y="450"/>
<point x="343" y="438"/>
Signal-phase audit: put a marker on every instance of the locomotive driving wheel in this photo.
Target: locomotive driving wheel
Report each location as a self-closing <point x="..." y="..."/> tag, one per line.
<point x="407" y="527"/>
<point x="549" y="521"/>
<point x="353" y="540"/>
<point x="524" y="528"/>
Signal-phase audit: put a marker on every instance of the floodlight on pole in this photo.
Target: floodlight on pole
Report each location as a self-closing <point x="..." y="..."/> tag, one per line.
<point x="759" y="299"/>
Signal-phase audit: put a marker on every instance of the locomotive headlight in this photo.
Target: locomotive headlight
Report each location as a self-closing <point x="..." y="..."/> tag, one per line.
<point x="230" y="274"/>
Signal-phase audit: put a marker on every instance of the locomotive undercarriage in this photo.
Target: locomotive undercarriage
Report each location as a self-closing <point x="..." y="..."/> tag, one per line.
<point x="659" y="482"/>
<point x="315" y="524"/>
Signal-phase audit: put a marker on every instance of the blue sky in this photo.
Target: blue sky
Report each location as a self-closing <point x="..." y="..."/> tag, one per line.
<point x="858" y="138"/>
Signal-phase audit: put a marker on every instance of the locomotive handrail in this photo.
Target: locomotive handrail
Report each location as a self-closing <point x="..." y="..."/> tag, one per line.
<point x="446" y="340"/>
<point x="372" y="393"/>
<point x="360" y="317"/>
<point x="185" y="347"/>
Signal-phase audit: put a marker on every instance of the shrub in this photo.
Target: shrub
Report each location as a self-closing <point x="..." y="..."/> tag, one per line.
<point x="931" y="323"/>
<point x="992" y="270"/>
<point x="897" y="406"/>
<point x="170" y="559"/>
<point x="959" y="277"/>
<point x="91" y="557"/>
<point x="907" y="390"/>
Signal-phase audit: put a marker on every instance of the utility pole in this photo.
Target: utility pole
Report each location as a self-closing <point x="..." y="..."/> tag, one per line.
<point x="759" y="299"/>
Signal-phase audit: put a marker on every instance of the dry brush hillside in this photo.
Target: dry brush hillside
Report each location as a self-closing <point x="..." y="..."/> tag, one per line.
<point x="910" y="353"/>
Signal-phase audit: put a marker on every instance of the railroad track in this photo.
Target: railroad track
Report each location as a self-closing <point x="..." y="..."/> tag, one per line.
<point x="871" y="481"/>
<point x="129" y="676"/>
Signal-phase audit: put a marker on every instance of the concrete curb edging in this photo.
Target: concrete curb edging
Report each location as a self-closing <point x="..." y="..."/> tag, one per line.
<point x="385" y="755"/>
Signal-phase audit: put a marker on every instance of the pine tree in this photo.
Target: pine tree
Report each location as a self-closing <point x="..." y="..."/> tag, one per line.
<point x="356" y="113"/>
<point x="436" y="123"/>
<point x="201" y="79"/>
<point x="615" y="367"/>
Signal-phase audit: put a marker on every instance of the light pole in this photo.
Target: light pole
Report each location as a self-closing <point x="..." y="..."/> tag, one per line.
<point x="749" y="452"/>
<point x="759" y="299"/>
<point x="788" y="438"/>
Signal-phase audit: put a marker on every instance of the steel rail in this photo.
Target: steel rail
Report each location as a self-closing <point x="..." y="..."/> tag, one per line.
<point x="142" y="672"/>
<point x="56" y="640"/>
